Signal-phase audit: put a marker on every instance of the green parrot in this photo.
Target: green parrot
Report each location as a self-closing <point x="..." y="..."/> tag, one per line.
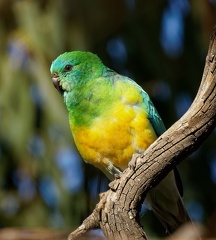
<point x="111" y="118"/>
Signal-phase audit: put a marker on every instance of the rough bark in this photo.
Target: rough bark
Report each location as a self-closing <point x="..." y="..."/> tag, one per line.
<point x="117" y="212"/>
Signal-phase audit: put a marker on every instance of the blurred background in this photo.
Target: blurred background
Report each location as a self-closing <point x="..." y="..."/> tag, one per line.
<point x="161" y="44"/>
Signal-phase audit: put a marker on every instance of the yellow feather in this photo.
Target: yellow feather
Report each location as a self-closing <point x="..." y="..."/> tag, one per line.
<point x="124" y="130"/>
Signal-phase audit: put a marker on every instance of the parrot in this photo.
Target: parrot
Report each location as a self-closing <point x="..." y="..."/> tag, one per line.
<point x="111" y="117"/>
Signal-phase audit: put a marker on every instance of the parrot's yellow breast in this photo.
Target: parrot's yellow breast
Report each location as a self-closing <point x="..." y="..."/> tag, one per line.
<point x="116" y="135"/>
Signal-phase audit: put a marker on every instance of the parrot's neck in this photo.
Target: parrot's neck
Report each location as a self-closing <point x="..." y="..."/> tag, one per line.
<point x="89" y="101"/>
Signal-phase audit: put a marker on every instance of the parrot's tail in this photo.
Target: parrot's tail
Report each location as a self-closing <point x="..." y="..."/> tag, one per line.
<point x="165" y="201"/>
<point x="170" y="221"/>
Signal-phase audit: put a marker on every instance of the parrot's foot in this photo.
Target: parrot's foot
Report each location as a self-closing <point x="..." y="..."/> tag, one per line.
<point x="115" y="171"/>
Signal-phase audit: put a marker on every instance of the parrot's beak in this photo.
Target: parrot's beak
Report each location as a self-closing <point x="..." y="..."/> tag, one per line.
<point x="56" y="83"/>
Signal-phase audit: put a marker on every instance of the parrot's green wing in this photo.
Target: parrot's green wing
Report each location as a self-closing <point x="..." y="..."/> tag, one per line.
<point x="153" y="114"/>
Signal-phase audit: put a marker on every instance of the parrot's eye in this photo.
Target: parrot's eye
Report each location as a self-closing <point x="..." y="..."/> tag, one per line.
<point x="68" y="68"/>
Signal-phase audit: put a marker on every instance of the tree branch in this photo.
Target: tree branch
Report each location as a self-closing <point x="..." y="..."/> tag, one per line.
<point x="117" y="212"/>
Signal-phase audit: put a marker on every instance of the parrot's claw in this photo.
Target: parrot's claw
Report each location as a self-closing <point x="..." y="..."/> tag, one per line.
<point x="115" y="171"/>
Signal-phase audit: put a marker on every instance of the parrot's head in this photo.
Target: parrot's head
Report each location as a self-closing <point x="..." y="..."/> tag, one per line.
<point x="71" y="69"/>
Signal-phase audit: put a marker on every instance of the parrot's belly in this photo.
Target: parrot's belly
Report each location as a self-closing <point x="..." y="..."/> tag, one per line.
<point x="115" y="137"/>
